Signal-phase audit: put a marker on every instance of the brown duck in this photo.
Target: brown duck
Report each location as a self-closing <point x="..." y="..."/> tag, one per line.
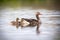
<point x="30" y="22"/>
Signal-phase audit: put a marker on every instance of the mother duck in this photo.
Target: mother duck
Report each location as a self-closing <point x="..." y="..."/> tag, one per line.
<point x="31" y="22"/>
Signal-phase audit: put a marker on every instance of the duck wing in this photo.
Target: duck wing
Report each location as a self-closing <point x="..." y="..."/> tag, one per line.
<point x="29" y="20"/>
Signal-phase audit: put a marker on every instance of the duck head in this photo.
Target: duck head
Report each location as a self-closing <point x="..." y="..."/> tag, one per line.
<point x="37" y="15"/>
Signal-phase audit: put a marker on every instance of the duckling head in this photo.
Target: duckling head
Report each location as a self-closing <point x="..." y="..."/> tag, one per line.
<point x="17" y="18"/>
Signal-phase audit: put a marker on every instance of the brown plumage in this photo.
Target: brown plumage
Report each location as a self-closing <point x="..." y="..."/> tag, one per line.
<point x="15" y="23"/>
<point x="31" y="22"/>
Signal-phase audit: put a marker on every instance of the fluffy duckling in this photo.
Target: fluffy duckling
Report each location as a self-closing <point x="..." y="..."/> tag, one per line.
<point x="15" y="23"/>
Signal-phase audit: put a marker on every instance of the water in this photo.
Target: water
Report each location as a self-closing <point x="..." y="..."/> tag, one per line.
<point x="49" y="29"/>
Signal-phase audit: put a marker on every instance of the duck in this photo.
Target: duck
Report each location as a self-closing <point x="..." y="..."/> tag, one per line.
<point x="31" y="22"/>
<point x="16" y="23"/>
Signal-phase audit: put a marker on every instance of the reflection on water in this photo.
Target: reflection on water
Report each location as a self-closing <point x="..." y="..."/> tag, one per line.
<point x="49" y="29"/>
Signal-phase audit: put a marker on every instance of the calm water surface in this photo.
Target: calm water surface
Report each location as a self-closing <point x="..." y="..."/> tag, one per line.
<point x="49" y="29"/>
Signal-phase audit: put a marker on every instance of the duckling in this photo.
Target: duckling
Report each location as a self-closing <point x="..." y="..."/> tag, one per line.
<point x="15" y="23"/>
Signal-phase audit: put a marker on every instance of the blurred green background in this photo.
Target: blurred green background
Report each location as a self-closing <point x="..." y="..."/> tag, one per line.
<point x="48" y="4"/>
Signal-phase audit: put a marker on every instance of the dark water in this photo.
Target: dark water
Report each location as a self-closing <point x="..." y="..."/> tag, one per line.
<point x="49" y="29"/>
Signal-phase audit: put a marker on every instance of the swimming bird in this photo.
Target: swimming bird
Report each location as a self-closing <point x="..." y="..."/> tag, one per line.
<point x="30" y="22"/>
<point x="16" y="23"/>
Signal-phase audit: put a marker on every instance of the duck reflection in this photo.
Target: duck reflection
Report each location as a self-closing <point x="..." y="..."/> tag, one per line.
<point x="23" y="22"/>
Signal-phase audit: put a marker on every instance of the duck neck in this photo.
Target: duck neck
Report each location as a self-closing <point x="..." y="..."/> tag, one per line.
<point x="37" y="16"/>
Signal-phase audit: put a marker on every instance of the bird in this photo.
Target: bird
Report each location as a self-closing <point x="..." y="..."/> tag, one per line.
<point x="16" y="23"/>
<point x="30" y="22"/>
